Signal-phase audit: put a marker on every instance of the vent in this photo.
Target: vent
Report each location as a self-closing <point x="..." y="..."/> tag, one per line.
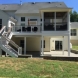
<point x="33" y="2"/>
<point x="49" y="2"/>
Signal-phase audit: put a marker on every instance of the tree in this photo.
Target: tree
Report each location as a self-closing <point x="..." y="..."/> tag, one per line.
<point x="74" y="16"/>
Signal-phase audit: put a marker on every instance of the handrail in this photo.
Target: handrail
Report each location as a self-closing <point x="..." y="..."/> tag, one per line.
<point x="12" y="42"/>
<point x="9" y="30"/>
<point x="26" y="25"/>
<point x="2" y="29"/>
<point x="24" y="28"/>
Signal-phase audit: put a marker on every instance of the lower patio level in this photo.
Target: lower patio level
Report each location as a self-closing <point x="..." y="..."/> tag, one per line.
<point x="40" y="45"/>
<point x="60" y="54"/>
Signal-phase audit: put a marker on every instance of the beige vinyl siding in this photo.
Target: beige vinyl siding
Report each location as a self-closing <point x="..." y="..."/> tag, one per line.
<point x="33" y="44"/>
<point x="47" y="44"/>
<point x="57" y="38"/>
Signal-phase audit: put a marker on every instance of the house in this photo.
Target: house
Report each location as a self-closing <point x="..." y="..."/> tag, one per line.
<point x="37" y="27"/>
<point x="74" y="33"/>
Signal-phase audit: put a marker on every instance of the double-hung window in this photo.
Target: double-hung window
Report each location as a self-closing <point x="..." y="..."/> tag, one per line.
<point x="73" y="32"/>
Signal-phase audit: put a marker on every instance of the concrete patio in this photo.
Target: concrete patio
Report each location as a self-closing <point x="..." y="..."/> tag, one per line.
<point x="60" y="54"/>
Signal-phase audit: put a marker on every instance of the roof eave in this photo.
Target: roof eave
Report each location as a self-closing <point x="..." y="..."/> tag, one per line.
<point x="56" y="9"/>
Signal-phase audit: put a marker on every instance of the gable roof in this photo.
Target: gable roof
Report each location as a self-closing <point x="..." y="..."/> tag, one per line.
<point x="31" y="7"/>
<point x="9" y="6"/>
<point x="35" y="7"/>
<point x="4" y="13"/>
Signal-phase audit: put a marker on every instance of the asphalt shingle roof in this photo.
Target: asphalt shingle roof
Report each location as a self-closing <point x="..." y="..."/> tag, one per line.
<point x="9" y="6"/>
<point x="32" y="7"/>
<point x="35" y="7"/>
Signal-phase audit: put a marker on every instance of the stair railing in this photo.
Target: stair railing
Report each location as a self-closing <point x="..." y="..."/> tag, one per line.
<point x="9" y="40"/>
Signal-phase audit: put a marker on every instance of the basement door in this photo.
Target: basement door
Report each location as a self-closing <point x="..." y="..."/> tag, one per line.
<point x="58" y="45"/>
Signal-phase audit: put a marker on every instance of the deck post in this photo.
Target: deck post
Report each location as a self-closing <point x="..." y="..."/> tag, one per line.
<point x="68" y="25"/>
<point x="42" y="42"/>
<point x="24" y="45"/>
<point x="69" y="45"/>
<point x="42" y="21"/>
<point x="63" y="45"/>
<point x="55" y="20"/>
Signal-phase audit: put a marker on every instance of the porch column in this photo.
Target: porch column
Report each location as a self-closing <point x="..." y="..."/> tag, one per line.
<point x="55" y="20"/>
<point x="68" y="21"/>
<point x="6" y="55"/>
<point x="42" y="42"/>
<point x="0" y="52"/>
<point x="68" y="45"/>
<point x="42" y="21"/>
<point x="68" y="24"/>
<point x="63" y="45"/>
<point x="24" y="45"/>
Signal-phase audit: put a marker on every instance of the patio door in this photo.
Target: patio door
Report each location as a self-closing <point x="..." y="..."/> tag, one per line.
<point x="58" y="45"/>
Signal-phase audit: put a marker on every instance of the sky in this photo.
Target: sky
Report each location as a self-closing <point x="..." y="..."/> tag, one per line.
<point x="70" y="3"/>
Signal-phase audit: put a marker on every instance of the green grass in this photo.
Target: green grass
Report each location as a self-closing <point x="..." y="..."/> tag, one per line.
<point x="37" y="68"/>
<point x="75" y="47"/>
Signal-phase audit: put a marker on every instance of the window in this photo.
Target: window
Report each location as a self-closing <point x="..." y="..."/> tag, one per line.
<point x="43" y="44"/>
<point x="41" y="19"/>
<point x="33" y="22"/>
<point x="22" y="19"/>
<point x="22" y="24"/>
<point x="0" y="23"/>
<point x="73" y="32"/>
<point x="22" y="43"/>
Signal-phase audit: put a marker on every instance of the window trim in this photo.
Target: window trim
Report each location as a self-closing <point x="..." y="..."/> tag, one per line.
<point x="1" y="23"/>
<point x="22" y="23"/>
<point x="32" y="19"/>
<point x="73" y="33"/>
<point x="43" y="44"/>
<point x="23" y="19"/>
<point x="22" y="43"/>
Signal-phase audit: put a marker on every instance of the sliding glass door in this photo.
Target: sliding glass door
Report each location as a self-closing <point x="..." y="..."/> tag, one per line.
<point x="58" y="45"/>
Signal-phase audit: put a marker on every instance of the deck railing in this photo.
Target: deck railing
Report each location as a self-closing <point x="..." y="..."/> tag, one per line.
<point x="26" y="28"/>
<point x="59" y="26"/>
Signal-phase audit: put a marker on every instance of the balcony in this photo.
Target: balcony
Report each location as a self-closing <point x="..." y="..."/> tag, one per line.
<point x="59" y="27"/>
<point x="55" y="21"/>
<point x="26" y="30"/>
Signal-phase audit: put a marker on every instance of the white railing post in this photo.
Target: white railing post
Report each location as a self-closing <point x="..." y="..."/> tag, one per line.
<point x="12" y="28"/>
<point x="31" y="28"/>
<point x="19" y="51"/>
<point x="21" y="29"/>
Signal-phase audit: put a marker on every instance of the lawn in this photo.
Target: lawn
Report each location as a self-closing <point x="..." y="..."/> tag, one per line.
<point x="37" y="68"/>
<point x="75" y="47"/>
